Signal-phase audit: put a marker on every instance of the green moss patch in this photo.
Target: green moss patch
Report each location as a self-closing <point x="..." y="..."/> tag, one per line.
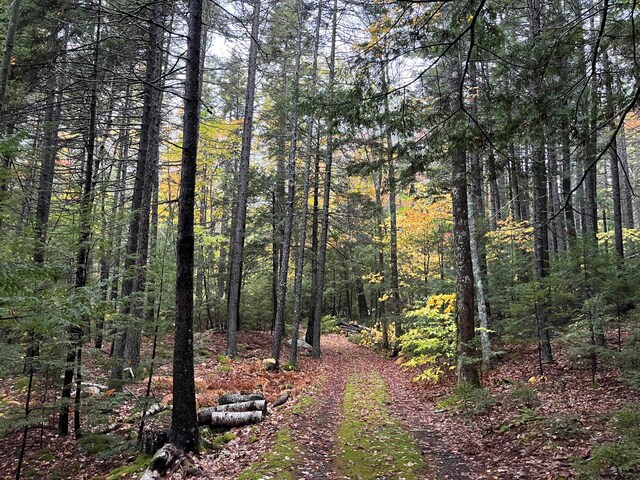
<point x="278" y="464"/>
<point x="371" y="444"/>
<point x="137" y="466"/>
<point x="302" y="405"/>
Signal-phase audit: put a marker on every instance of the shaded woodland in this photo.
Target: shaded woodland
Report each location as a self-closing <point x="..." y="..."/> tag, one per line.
<point x="451" y="184"/>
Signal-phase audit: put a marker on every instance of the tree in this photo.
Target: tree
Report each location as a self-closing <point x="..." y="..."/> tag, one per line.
<point x="283" y="271"/>
<point x="5" y="66"/>
<point x="324" y="219"/>
<point x="184" y="423"/>
<point x="127" y="341"/>
<point x="239" y="222"/>
<point x="467" y="369"/>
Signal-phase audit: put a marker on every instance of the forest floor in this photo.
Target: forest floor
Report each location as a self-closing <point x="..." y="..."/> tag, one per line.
<point x="355" y="414"/>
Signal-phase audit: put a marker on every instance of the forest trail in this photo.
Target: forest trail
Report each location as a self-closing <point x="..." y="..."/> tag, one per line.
<point x="364" y="422"/>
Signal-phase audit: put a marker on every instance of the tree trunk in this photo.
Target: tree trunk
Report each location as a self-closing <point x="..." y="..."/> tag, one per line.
<point x="82" y="258"/>
<point x="184" y="423"/>
<point x="566" y="186"/>
<point x="5" y="66"/>
<point x="614" y="162"/>
<point x="363" y="310"/>
<point x="467" y="369"/>
<point x="393" y="223"/>
<point x="127" y="341"/>
<point x="324" y="222"/>
<point x="559" y="240"/>
<point x="496" y="202"/>
<point x="628" y="219"/>
<point x="248" y="406"/>
<point x="540" y="218"/>
<point x="288" y="218"/>
<point x="314" y="243"/>
<point x="237" y="240"/>
<point x="297" y="306"/>
<point x="380" y="311"/>
<point x="479" y="287"/>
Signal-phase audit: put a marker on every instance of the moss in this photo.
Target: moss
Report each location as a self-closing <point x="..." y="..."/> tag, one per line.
<point x="21" y="384"/>
<point x="373" y="444"/>
<point x="223" y="359"/>
<point x="30" y="472"/>
<point x="137" y="466"/>
<point x="223" y="439"/>
<point x="287" y="367"/>
<point x="224" y="368"/>
<point x="105" y="446"/>
<point x="277" y="464"/>
<point x="45" y="455"/>
<point x="303" y="404"/>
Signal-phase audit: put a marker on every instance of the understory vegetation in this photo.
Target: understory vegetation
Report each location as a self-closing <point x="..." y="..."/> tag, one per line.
<point x="202" y="198"/>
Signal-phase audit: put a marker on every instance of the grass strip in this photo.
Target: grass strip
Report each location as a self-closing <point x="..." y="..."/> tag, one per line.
<point x="371" y="444"/>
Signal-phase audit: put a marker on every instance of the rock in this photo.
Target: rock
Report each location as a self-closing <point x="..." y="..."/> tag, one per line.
<point x="301" y="344"/>
<point x="269" y="363"/>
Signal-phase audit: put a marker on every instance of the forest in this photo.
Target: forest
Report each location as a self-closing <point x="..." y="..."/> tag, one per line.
<point x="319" y="239"/>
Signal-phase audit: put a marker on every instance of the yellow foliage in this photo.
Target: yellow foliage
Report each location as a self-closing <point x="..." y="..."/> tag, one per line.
<point x="444" y="302"/>
<point x="509" y="236"/>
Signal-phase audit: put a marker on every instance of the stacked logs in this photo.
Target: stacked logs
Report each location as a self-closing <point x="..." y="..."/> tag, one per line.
<point x="234" y="410"/>
<point x="349" y="328"/>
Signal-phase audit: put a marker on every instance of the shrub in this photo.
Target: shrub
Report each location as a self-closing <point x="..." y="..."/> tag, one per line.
<point x="621" y="457"/>
<point x="430" y="338"/>
<point x="467" y="399"/>
<point x="330" y="324"/>
<point x="522" y="395"/>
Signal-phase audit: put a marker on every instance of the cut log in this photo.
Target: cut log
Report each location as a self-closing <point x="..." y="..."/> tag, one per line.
<point x="281" y="400"/>
<point x="154" y="409"/>
<point x="301" y="344"/>
<point x="250" y="406"/>
<point x="353" y="327"/>
<point x="228" y="398"/>
<point x="162" y="461"/>
<point x="209" y="416"/>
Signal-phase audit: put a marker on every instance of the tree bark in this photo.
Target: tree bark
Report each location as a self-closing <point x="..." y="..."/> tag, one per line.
<point x="207" y="416"/>
<point x="485" y="342"/>
<point x="184" y="423"/>
<point x="393" y="222"/>
<point x="466" y="361"/>
<point x="5" y="66"/>
<point x="238" y="236"/>
<point x="614" y="165"/>
<point x="127" y="341"/>
<point x="300" y="257"/>
<point x="324" y="221"/>
<point x="540" y="209"/>
<point x="288" y="218"/>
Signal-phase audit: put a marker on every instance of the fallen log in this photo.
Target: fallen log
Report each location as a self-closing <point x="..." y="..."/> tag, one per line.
<point x="281" y="400"/>
<point x="209" y="416"/>
<point x="228" y="398"/>
<point x="154" y="409"/>
<point x="250" y="406"/>
<point x="353" y="327"/>
<point x="161" y="462"/>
